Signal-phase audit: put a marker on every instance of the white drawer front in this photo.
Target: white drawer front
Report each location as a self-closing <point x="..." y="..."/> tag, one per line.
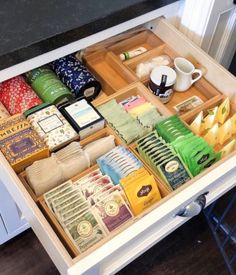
<point x="148" y="230"/>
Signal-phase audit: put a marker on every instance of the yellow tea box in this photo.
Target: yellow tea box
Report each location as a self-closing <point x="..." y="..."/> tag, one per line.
<point x="141" y="192"/>
<point x="19" y="143"/>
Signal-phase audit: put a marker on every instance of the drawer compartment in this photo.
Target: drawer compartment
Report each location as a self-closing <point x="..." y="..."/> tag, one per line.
<point x="203" y="91"/>
<point x="159" y="220"/>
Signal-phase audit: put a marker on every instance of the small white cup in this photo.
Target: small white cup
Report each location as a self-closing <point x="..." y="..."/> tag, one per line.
<point x="184" y="71"/>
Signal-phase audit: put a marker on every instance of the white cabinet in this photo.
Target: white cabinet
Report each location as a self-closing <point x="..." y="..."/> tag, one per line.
<point x="123" y="247"/>
<point x="12" y="222"/>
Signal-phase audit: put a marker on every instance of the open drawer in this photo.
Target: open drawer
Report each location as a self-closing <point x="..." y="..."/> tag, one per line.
<point x="124" y="246"/>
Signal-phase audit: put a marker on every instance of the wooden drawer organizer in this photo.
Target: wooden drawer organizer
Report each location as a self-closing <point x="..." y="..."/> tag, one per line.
<point x="119" y="81"/>
<point x="190" y="117"/>
<point x="106" y="63"/>
<point x="71" y="248"/>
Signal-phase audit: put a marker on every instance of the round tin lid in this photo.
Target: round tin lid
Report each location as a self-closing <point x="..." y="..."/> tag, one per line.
<point x="158" y="72"/>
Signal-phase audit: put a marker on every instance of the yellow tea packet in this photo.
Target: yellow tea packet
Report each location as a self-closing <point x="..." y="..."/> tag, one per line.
<point x="211" y="136"/>
<point x="138" y="174"/>
<point x="233" y="121"/>
<point x="141" y="109"/>
<point x="228" y="148"/>
<point x="223" y="111"/>
<point x="210" y="119"/>
<point x="142" y="193"/>
<point x="225" y="131"/>
<point x="195" y="126"/>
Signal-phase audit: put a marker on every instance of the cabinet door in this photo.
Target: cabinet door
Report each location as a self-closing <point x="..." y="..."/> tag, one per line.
<point x="11" y="219"/>
<point x="211" y="25"/>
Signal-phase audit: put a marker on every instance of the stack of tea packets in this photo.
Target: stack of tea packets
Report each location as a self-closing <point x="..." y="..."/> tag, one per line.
<point x="89" y="208"/>
<point x="163" y="160"/>
<point x="125" y="169"/>
<point x="196" y="153"/>
<point x="118" y="163"/>
<point x="132" y="118"/>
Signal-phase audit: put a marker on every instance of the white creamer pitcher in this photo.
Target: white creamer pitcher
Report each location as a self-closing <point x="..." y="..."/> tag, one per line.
<point x="185" y="70"/>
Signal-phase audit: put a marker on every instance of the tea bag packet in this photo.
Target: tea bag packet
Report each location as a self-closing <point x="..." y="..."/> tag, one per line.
<point x="228" y="148"/>
<point x="68" y="206"/>
<point x="196" y="125"/>
<point x="212" y="135"/>
<point x="99" y="147"/>
<point x="69" y="199"/>
<point x="172" y="128"/>
<point x="106" y="191"/>
<point x="145" y="107"/>
<point x="152" y="147"/>
<point x="196" y="153"/>
<point x="141" y="190"/>
<point x="225" y="131"/>
<point x="140" y="118"/>
<point x="60" y="198"/>
<point x="118" y="163"/>
<point x="158" y="154"/>
<point x="88" y="176"/>
<point x="58" y="191"/>
<point x="174" y="172"/>
<point x="75" y="165"/>
<point x="113" y="211"/>
<point x="85" y="182"/>
<point x="51" y="125"/>
<point x="210" y="119"/>
<point x="68" y="217"/>
<point x="223" y="111"/>
<point x="95" y="186"/>
<point x="132" y="102"/>
<point x="233" y="123"/>
<point x="85" y="231"/>
<point x="45" y="174"/>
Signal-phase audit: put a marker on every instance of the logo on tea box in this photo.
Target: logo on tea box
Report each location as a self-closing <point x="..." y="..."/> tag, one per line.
<point x="172" y="166"/>
<point x="14" y="129"/>
<point x="144" y="191"/>
<point x="203" y="159"/>
<point x="84" y="229"/>
<point x="111" y="208"/>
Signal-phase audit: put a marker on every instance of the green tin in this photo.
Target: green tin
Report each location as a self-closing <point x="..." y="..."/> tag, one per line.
<point x="47" y="86"/>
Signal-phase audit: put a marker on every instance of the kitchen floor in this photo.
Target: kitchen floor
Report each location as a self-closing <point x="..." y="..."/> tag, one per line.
<point x="191" y="249"/>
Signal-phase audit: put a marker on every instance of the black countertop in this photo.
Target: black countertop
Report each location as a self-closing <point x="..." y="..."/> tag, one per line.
<point x="29" y="28"/>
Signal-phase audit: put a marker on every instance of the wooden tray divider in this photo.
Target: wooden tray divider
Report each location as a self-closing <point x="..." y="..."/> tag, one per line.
<point x="100" y="134"/>
<point x="147" y="56"/>
<point x="112" y="74"/>
<point x="145" y="39"/>
<point x="138" y="89"/>
<point x="67" y="242"/>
